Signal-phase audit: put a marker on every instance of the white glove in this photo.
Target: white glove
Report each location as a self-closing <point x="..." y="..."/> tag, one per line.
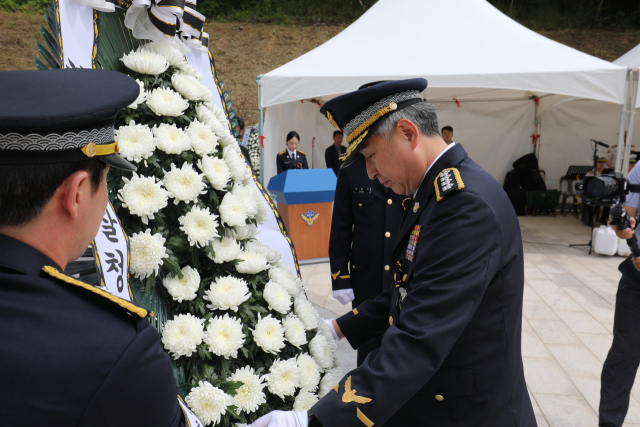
<point x="345" y="296"/>
<point x="282" y="419"/>
<point x="329" y="323"/>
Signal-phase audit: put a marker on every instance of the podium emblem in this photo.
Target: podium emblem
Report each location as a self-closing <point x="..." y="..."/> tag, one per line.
<point x="310" y="217"/>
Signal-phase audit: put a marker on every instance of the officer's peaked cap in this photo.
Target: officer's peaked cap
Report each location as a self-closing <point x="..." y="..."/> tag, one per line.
<point x="357" y="114"/>
<point x="61" y="116"/>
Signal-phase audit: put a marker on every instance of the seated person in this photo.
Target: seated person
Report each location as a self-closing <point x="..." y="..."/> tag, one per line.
<point x="292" y="158"/>
<point x="333" y="153"/>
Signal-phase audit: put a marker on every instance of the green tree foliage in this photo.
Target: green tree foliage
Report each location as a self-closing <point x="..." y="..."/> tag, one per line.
<point x="567" y="14"/>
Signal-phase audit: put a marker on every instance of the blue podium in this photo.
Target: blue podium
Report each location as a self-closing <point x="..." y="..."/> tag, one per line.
<point x="304" y="199"/>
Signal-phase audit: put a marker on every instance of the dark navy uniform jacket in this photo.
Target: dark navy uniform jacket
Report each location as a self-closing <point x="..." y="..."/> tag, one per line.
<point x="364" y="227"/>
<point x="285" y="162"/>
<point x="332" y="158"/>
<point x="69" y="356"/>
<point x="451" y="326"/>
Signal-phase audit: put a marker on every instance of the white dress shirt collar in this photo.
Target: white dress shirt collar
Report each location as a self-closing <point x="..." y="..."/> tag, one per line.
<point x="433" y="163"/>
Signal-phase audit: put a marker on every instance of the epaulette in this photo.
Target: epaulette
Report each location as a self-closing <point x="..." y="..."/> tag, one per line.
<point x="113" y="300"/>
<point x="280" y="154"/>
<point x="448" y="181"/>
<point x="302" y="152"/>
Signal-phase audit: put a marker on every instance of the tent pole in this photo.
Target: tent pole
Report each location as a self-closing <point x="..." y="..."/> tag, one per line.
<point x="623" y="116"/>
<point x="260" y="130"/>
<point x="632" y="108"/>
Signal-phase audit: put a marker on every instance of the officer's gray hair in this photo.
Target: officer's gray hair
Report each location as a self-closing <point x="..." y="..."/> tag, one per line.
<point x="421" y="114"/>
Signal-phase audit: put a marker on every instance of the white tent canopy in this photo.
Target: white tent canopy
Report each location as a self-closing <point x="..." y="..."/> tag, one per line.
<point x="631" y="59"/>
<point x="466" y="49"/>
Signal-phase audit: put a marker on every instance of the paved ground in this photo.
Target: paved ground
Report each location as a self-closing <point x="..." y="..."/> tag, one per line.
<point x="567" y="322"/>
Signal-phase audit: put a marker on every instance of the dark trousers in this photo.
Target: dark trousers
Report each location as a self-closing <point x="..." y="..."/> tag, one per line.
<point x="622" y="362"/>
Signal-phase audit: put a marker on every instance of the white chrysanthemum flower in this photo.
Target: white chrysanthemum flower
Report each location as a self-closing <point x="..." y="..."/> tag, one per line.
<point x="268" y="334"/>
<point x="142" y="96"/>
<point x="323" y="329"/>
<point x="329" y="380"/>
<point x="224" y="336"/>
<point x="249" y="396"/>
<point x="200" y="226"/>
<point x="232" y="211"/>
<point x="189" y="70"/>
<point x="166" y="102"/>
<point x="207" y="117"/>
<point x="219" y="113"/>
<point x="169" y="51"/>
<point x="183" y="289"/>
<point x="182" y="335"/>
<point x="263" y="210"/>
<point x="209" y="403"/>
<point x="272" y="255"/>
<point x="309" y="372"/>
<point x="147" y="252"/>
<point x="171" y="139"/>
<point x="252" y="263"/>
<point x="305" y="311"/>
<point x="250" y="206"/>
<point x="203" y="140"/>
<point x="283" y="377"/>
<point x="227" y="293"/>
<point x="228" y="140"/>
<point x="277" y="297"/>
<point x="304" y="400"/>
<point x="321" y="351"/>
<point x="236" y="165"/>
<point x="187" y="86"/>
<point x="243" y="232"/>
<point x="143" y="196"/>
<point x="284" y="276"/>
<point x="216" y="171"/>
<point x="135" y="142"/>
<point x="225" y="250"/>
<point x="145" y="62"/>
<point x="248" y="178"/>
<point x="184" y="184"/>
<point x="294" y="331"/>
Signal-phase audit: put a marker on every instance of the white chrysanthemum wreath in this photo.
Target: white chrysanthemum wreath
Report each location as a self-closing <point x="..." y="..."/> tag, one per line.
<point x="240" y="327"/>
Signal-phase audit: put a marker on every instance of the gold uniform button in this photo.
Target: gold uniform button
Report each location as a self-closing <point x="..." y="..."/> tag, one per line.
<point x="91" y="149"/>
<point x="391" y="322"/>
<point x="360" y="204"/>
<point x="389" y="201"/>
<point x="387" y="234"/>
<point x="439" y="398"/>
<point x="353" y="266"/>
<point x="404" y="278"/>
<point x="387" y="268"/>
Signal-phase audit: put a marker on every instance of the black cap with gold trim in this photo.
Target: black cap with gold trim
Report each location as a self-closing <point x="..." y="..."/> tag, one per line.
<point x="62" y="116"/>
<point x="358" y="114"/>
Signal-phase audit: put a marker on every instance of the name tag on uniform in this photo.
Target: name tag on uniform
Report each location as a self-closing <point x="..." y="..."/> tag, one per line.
<point x="361" y="190"/>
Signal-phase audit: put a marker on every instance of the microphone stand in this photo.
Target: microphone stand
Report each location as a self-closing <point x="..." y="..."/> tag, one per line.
<point x="593" y="213"/>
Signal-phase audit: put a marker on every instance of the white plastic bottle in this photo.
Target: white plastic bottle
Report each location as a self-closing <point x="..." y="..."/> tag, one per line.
<point x="623" y="248"/>
<point x="605" y="241"/>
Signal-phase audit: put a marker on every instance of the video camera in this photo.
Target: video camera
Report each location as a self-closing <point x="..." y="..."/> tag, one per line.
<point x="605" y="190"/>
<point x="611" y="190"/>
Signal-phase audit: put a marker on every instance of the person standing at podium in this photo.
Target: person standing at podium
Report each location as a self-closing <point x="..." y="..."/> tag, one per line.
<point x="292" y="158"/>
<point x="364" y="225"/>
<point x="332" y="153"/>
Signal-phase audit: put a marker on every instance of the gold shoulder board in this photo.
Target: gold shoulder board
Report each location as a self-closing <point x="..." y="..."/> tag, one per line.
<point x="280" y="154"/>
<point x="302" y="152"/>
<point x="448" y="181"/>
<point x="124" y="304"/>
